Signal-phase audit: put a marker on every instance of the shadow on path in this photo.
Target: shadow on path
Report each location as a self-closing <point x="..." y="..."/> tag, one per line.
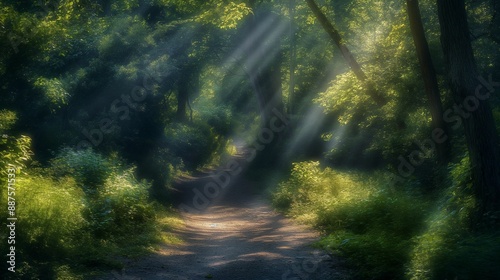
<point x="238" y="236"/>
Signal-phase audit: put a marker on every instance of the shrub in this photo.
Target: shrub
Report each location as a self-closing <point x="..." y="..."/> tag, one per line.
<point x="82" y="211"/>
<point x="364" y="220"/>
<point x="116" y="203"/>
<point x="193" y="143"/>
<point x="372" y="255"/>
<point x="14" y="153"/>
<point x="122" y="207"/>
<point x="448" y="248"/>
<point x="50" y="225"/>
<point x="88" y="167"/>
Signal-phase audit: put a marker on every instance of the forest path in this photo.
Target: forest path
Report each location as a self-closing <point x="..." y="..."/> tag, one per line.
<point x="239" y="236"/>
<point x="246" y="241"/>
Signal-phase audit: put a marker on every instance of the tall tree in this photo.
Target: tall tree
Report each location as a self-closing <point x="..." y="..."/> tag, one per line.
<point x="428" y="74"/>
<point x="346" y="53"/>
<point x="495" y="21"/>
<point x="480" y="131"/>
<point x="293" y="57"/>
<point x="262" y="60"/>
<point x="187" y="85"/>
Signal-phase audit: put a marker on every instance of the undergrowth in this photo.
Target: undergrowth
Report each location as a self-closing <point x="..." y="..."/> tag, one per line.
<point x="83" y="213"/>
<point x="392" y="233"/>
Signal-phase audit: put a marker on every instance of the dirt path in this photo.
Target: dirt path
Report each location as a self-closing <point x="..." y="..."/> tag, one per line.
<point x="238" y="236"/>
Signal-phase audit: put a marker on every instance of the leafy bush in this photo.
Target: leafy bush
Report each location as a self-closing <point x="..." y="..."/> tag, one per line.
<point x="50" y="213"/>
<point x="61" y="221"/>
<point x="193" y="143"/>
<point x="50" y="223"/>
<point x="14" y="152"/>
<point x="7" y="120"/>
<point x="473" y="257"/>
<point x="116" y="202"/>
<point x="122" y="207"/>
<point x="448" y="248"/>
<point x="88" y="167"/>
<point x="372" y="255"/>
<point x="364" y="220"/>
<point x="394" y="234"/>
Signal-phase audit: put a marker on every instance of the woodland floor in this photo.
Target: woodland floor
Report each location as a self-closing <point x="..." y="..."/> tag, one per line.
<point x="239" y="236"/>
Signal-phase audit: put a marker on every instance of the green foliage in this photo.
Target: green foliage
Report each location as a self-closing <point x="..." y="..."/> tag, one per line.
<point x="14" y="153"/>
<point x="472" y="257"/>
<point x="7" y="120"/>
<point x="225" y="16"/>
<point x="122" y="207"/>
<point x="117" y="203"/>
<point x="372" y="255"/>
<point x="125" y="41"/>
<point x="50" y="214"/>
<point x="54" y="92"/>
<point x="394" y="234"/>
<point x="387" y="54"/>
<point x="191" y="142"/>
<point x="124" y="5"/>
<point x="365" y="221"/>
<point x="60" y="220"/>
<point x="65" y="65"/>
<point x="311" y="190"/>
<point x="448" y="248"/>
<point x="89" y="168"/>
<point x="50" y="225"/>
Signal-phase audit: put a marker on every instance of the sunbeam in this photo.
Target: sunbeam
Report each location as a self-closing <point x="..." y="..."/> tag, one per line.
<point x="207" y="139"/>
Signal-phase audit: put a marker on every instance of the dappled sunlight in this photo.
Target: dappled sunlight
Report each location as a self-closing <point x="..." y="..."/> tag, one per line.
<point x="225" y="236"/>
<point x="429" y="245"/>
<point x="335" y="138"/>
<point x="208" y="139"/>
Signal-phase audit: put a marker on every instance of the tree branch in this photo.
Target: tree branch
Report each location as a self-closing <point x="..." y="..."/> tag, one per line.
<point x="346" y="53"/>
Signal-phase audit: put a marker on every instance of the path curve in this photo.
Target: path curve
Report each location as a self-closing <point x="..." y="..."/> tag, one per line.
<point x="238" y="237"/>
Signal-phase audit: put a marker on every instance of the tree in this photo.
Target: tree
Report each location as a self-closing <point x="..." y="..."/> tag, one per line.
<point x="428" y="74"/>
<point x="346" y="53"/>
<point x="495" y="22"/>
<point x="293" y="57"/>
<point x="480" y="132"/>
<point x="187" y="85"/>
<point x="261" y="56"/>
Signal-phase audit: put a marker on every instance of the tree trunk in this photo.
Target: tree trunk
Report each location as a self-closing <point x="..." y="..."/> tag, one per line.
<point x="495" y="21"/>
<point x="346" y="53"/>
<point x="293" y="58"/>
<point x="267" y="87"/>
<point x="188" y="83"/>
<point x="265" y="75"/>
<point x="428" y="75"/>
<point x="182" y="99"/>
<point x="480" y="131"/>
